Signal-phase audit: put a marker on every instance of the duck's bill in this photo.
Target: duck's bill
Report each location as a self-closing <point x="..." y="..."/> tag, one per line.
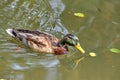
<point x="79" y="48"/>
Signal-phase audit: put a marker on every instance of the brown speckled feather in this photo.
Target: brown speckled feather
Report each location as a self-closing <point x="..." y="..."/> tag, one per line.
<point x="39" y="41"/>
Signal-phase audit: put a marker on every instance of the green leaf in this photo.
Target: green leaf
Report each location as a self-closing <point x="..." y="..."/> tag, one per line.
<point x="115" y="50"/>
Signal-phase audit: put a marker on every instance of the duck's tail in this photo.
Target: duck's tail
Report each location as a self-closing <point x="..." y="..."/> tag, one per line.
<point x="17" y="33"/>
<point x="11" y="32"/>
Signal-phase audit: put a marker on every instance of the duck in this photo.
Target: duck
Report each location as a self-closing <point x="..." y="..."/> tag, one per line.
<point x="45" y="42"/>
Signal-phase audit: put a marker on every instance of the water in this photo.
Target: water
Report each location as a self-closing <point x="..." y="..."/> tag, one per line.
<point x="99" y="31"/>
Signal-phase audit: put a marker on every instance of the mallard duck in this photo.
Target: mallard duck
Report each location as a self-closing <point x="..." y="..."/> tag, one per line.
<point x="45" y="42"/>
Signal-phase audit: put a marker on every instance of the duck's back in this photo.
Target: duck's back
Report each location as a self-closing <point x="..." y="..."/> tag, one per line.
<point x="39" y="41"/>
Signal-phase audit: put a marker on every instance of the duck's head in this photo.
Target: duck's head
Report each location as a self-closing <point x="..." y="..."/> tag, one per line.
<point x="72" y="40"/>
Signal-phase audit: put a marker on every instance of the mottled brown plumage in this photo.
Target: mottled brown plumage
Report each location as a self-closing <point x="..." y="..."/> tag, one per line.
<point x="42" y="41"/>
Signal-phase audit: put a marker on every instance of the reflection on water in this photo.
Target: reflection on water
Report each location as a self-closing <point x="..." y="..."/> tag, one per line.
<point x="48" y="63"/>
<point x="98" y="32"/>
<point x="21" y="66"/>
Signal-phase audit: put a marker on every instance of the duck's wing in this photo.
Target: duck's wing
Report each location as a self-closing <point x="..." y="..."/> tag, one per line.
<point x="39" y="41"/>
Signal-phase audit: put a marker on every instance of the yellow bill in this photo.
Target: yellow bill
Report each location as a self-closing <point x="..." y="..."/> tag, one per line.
<point x="79" y="48"/>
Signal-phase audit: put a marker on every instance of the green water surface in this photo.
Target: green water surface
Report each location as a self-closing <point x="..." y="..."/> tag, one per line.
<point x="98" y="31"/>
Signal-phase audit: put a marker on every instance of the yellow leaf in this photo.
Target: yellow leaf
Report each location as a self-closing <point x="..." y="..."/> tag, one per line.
<point x="2" y="79"/>
<point x="92" y="54"/>
<point x="79" y="14"/>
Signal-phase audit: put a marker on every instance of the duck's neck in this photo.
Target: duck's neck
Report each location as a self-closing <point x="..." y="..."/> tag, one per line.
<point x="61" y="43"/>
<point x="61" y="48"/>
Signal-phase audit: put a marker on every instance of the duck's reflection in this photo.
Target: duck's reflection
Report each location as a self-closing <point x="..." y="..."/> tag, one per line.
<point x="42" y="64"/>
<point x="46" y="65"/>
<point x="29" y="61"/>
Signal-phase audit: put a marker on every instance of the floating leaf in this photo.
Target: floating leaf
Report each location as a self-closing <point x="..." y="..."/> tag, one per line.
<point x="79" y="14"/>
<point x="2" y="79"/>
<point x="92" y="54"/>
<point x="115" y="50"/>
